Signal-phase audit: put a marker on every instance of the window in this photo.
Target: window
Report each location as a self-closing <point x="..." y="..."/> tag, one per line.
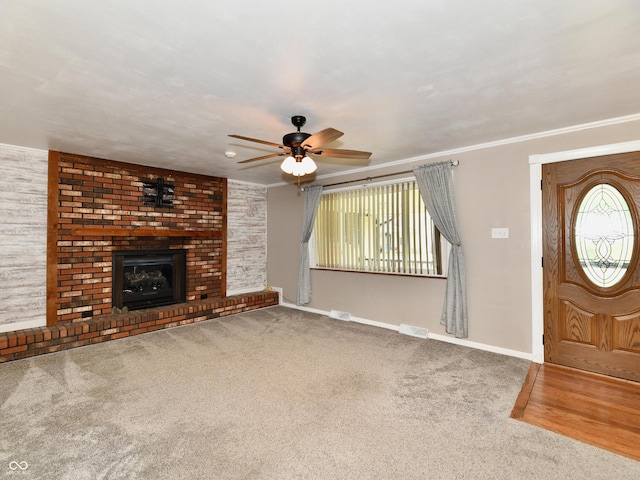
<point x="383" y="228"/>
<point x="604" y="235"/>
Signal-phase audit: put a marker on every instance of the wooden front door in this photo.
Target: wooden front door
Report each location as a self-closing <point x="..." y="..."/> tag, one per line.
<point x="591" y="273"/>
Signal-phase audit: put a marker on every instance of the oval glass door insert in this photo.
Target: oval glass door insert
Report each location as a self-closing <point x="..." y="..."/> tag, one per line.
<point x="604" y="235"/>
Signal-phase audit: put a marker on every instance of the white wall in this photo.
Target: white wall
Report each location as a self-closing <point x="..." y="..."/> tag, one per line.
<point x="246" y="237"/>
<point x="23" y="237"/>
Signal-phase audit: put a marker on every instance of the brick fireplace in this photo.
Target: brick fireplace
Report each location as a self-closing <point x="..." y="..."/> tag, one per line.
<point x="97" y="207"/>
<point x="100" y="208"/>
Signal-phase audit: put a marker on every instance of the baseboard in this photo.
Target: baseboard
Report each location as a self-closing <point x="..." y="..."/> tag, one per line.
<point x="481" y="346"/>
<point x="432" y="336"/>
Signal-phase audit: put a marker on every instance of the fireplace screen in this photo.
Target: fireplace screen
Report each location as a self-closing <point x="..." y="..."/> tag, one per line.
<point x="150" y="278"/>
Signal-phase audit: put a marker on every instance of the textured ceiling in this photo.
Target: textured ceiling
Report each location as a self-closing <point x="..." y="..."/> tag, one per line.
<point x="163" y="82"/>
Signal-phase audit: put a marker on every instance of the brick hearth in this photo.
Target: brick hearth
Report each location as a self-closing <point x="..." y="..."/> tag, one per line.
<point x="38" y="341"/>
<point x="96" y="207"/>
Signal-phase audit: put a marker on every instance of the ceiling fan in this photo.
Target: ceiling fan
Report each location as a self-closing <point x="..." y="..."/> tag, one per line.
<point x="296" y="145"/>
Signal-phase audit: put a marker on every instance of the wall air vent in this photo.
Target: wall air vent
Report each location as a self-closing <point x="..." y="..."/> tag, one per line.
<point x="413" y="331"/>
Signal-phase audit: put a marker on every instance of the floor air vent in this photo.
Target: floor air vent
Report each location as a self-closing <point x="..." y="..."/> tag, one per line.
<point x="413" y="331"/>
<point x="345" y="316"/>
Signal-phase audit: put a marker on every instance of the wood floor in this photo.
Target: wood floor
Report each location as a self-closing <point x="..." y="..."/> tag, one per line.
<point x="592" y="408"/>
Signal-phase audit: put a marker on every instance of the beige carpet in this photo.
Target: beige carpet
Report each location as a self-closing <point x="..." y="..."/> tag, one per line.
<point x="279" y="394"/>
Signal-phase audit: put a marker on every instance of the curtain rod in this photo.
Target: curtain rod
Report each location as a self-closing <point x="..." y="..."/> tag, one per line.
<point x="453" y="163"/>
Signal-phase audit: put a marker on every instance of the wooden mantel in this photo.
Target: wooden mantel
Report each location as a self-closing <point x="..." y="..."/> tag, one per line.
<point x="142" y="232"/>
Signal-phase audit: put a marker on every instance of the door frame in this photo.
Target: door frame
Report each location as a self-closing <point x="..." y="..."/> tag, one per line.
<point x="535" y="195"/>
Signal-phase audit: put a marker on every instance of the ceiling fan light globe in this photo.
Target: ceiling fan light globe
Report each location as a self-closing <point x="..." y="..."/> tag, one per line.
<point x="308" y="165"/>
<point x="298" y="170"/>
<point x="288" y="165"/>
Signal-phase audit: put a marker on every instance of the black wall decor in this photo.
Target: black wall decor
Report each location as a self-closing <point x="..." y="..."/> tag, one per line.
<point x="158" y="193"/>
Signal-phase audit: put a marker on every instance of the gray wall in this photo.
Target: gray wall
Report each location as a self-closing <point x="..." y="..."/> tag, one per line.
<point x="23" y="238"/>
<point x="492" y="190"/>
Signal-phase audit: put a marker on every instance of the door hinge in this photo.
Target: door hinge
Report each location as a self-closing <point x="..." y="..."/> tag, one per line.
<point x="543" y="338"/>
<point x="542" y="262"/>
<point x="541" y="182"/>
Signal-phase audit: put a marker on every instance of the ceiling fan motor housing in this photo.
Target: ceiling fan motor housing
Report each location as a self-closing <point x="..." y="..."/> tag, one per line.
<point x="294" y="139"/>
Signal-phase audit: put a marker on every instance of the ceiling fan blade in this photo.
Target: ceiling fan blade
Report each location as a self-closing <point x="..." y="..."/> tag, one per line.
<point x="258" y="141"/>
<point x="264" y="157"/>
<point x="323" y="137"/>
<point x="340" y="153"/>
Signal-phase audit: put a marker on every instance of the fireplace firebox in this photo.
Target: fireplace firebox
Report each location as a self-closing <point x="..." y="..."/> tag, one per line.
<point x="148" y="278"/>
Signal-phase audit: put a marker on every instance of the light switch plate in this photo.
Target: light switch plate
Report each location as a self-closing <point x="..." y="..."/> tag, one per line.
<point x="500" y="233"/>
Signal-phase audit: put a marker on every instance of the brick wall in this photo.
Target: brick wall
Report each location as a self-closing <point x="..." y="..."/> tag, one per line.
<point x="102" y="193"/>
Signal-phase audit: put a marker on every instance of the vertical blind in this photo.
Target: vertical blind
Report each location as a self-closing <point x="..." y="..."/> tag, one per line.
<point x="384" y="228"/>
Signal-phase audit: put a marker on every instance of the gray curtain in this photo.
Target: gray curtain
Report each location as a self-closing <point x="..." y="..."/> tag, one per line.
<point x="311" y="200"/>
<point x="436" y="188"/>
